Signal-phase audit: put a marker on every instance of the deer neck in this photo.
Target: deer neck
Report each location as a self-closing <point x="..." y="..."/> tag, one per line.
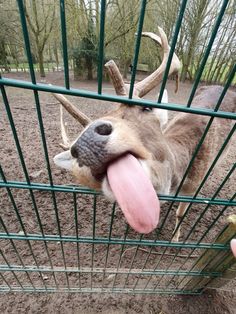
<point x="181" y="145"/>
<point x="172" y="154"/>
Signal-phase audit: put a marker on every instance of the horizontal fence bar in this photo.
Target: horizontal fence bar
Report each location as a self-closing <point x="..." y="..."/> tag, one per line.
<point x="113" y="98"/>
<point x="83" y="190"/>
<point x="109" y="271"/>
<point x="99" y="290"/>
<point x="99" y="240"/>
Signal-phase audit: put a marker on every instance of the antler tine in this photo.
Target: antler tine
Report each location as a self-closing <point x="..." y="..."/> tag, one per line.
<point x="150" y="82"/>
<point x="77" y="114"/>
<point x="116" y="78"/>
<point x="66" y="142"/>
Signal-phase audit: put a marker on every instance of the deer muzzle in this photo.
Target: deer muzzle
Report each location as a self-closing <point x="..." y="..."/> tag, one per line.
<point x="90" y="148"/>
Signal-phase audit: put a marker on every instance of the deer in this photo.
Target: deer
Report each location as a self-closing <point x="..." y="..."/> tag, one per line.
<point x="133" y="153"/>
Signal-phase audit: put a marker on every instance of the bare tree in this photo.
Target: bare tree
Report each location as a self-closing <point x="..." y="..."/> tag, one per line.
<point x="40" y="16"/>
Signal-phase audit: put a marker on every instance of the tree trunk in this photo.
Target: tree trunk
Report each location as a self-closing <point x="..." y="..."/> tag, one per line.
<point x="41" y="66"/>
<point x="76" y="72"/>
<point x="184" y="72"/>
<point x="126" y="68"/>
<point x="77" y="69"/>
<point x="4" y="56"/>
<point x="55" y="52"/>
<point x="89" y="65"/>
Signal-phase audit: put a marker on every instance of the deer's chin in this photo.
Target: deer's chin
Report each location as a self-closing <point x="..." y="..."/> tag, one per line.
<point x="106" y="189"/>
<point x="91" y="179"/>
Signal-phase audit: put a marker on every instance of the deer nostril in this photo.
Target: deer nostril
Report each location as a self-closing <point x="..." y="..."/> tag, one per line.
<point x="103" y="129"/>
<point x="74" y="151"/>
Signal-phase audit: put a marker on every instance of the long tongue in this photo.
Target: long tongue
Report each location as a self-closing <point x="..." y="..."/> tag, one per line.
<point x="134" y="193"/>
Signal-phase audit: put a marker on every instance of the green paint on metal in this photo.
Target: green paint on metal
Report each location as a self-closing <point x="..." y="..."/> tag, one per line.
<point x="137" y="46"/>
<point x="101" y="45"/>
<point x="207" y="52"/>
<point x="172" y="49"/>
<point x="64" y="43"/>
<point x="119" y="99"/>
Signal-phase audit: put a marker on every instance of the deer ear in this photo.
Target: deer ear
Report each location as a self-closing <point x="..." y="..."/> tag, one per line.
<point x="162" y="114"/>
<point x="64" y="160"/>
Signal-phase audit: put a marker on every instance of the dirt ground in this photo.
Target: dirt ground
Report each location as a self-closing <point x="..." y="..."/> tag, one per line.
<point x="22" y="103"/>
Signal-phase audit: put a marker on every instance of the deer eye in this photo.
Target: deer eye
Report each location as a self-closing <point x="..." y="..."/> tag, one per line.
<point x="147" y="109"/>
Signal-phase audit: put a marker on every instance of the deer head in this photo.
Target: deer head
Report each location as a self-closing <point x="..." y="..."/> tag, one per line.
<point x="124" y="153"/>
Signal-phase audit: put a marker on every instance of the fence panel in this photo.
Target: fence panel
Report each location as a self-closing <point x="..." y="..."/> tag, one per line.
<point x="60" y="237"/>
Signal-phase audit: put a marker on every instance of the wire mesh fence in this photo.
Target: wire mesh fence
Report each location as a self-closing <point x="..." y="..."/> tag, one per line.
<point x="60" y="237"/>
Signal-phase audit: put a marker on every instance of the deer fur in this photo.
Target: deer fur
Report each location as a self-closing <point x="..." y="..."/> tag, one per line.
<point x="164" y="149"/>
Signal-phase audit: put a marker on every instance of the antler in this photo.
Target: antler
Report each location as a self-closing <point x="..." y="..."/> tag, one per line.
<point x="64" y="134"/>
<point x="145" y="86"/>
<point x="140" y="89"/>
<point x="78" y="115"/>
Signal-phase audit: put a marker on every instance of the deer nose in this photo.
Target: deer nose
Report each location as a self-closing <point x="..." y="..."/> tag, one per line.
<point x="74" y="151"/>
<point x="103" y="128"/>
<point x="92" y="141"/>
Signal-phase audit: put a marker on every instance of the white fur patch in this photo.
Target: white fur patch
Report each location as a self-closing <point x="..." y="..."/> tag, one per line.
<point x="162" y="114"/>
<point x="64" y="160"/>
<point x="146" y="168"/>
<point x="106" y="189"/>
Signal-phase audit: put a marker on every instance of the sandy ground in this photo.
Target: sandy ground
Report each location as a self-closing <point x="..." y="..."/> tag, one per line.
<point x="23" y="109"/>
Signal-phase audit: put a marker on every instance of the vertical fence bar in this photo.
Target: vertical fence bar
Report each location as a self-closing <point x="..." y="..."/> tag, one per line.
<point x="204" y="234"/>
<point x="13" y="272"/>
<point x="54" y="201"/>
<point x="17" y="143"/>
<point x="29" y="57"/>
<point x="172" y="49"/>
<point x="21" y="225"/>
<point x="26" y="39"/>
<point x="77" y="233"/>
<point x="64" y="43"/>
<point x="206" y="177"/>
<point x="18" y="256"/>
<point x="226" y="260"/>
<point x="120" y="257"/>
<point x="199" y="218"/>
<point x="101" y="45"/>
<point x="94" y="234"/>
<point x="6" y="282"/>
<point x="137" y="46"/>
<point x="211" y="255"/>
<point x="108" y="245"/>
<point x="198" y="147"/>
<point x="205" y="57"/>
<point x="197" y="221"/>
<point x="132" y="262"/>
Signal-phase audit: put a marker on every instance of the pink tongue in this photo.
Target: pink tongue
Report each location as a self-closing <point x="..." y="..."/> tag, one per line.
<point x="233" y="246"/>
<point x="134" y="193"/>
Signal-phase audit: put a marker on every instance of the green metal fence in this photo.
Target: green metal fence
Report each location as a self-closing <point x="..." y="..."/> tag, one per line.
<point x="66" y="250"/>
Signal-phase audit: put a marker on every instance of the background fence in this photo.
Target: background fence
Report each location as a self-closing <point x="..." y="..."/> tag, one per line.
<point x="58" y="237"/>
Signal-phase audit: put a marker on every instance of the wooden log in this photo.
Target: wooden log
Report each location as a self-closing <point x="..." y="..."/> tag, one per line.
<point x="215" y="261"/>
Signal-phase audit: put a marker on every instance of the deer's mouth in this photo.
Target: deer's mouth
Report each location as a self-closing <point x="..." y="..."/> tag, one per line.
<point x="100" y="173"/>
<point x="126" y="179"/>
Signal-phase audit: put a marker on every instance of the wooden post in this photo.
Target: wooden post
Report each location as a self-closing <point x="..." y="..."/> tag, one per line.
<point x="213" y="260"/>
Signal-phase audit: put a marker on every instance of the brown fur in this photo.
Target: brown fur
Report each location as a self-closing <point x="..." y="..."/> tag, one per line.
<point x="168" y="153"/>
